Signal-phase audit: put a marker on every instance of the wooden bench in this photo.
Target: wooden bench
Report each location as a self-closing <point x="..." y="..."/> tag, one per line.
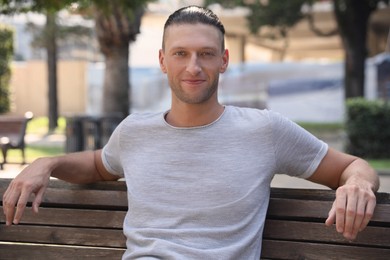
<point x="85" y="222"/>
<point x="12" y="133"/>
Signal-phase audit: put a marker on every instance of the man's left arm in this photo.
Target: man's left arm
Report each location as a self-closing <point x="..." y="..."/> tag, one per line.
<point x="356" y="183"/>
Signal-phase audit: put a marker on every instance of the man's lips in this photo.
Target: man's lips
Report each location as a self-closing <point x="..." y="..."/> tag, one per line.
<point x="193" y="81"/>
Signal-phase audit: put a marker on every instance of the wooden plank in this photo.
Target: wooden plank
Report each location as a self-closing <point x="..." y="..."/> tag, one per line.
<point x="318" y="232"/>
<point x="39" y="252"/>
<point x="55" y="183"/>
<point x="86" y="198"/>
<point x="288" y="208"/>
<point x="81" y="198"/>
<point x="303" y="194"/>
<point x="98" y="199"/>
<point x="273" y="249"/>
<point x="72" y="217"/>
<point x="296" y="208"/>
<point x="321" y="195"/>
<point x="63" y="236"/>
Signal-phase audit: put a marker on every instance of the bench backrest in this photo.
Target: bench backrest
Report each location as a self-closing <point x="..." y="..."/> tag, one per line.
<point x="14" y="127"/>
<point x="85" y="222"/>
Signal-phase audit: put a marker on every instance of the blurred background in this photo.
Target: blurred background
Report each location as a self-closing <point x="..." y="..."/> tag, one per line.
<point x="82" y="66"/>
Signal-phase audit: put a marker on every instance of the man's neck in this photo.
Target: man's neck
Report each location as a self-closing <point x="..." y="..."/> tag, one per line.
<point x="192" y="115"/>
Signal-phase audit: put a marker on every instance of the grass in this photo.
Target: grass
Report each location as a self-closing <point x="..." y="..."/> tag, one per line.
<point x="34" y="152"/>
<point x="321" y="127"/>
<point x="39" y="126"/>
<point x="380" y="164"/>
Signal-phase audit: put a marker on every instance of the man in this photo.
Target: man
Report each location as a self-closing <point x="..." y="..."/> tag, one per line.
<point x="198" y="175"/>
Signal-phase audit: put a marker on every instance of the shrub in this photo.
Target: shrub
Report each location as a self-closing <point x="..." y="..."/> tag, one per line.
<point x="368" y="128"/>
<point x="6" y="50"/>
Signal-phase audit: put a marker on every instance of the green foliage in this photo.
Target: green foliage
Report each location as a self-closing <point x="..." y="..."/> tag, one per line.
<point x="368" y="128"/>
<point x="20" y="6"/>
<point x="278" y="14"/>
<point x="6" y="51"/>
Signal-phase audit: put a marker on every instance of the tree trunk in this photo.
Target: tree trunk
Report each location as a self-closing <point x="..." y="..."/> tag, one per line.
<point x="352" y="18"/>
<point x="116" y="91"/>
<point x="51" y="48"/>
<point x="115" y="31"/>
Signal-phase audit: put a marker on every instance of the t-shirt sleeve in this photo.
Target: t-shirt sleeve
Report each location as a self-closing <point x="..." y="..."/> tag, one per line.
<point x="297" y="152"/>
<point x="111" y="154"/>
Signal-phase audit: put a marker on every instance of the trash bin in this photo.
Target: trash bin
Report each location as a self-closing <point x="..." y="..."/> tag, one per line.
<point x="74" y="134"/>
<point x="108" y="124"/>
<point x="383" y="75"/>
<point x="85" y="132"/>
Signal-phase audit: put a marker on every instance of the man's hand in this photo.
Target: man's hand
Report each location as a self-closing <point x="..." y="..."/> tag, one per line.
<point x="356" y="183"/>
<point x="352" y="209"/>
<point x="34" y="179"/>
<point x="81" y="167"/>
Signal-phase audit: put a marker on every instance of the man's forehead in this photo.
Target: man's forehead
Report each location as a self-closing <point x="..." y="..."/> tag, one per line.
<point x="192" y="26"/>
<point x="188" y="31"/>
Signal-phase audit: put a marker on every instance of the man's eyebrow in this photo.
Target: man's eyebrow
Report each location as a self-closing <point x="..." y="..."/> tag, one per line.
<point x="201" y="48"/>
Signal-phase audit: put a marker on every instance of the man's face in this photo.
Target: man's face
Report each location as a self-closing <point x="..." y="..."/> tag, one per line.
<point x="192" y="59"/>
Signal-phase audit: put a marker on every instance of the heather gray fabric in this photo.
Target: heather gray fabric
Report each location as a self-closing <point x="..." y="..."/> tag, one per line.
<point x="202" y="192"/>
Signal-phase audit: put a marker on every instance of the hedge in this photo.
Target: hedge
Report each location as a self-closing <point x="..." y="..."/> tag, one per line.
<point x="6" y="51"/>
<point x="368" y="128"/>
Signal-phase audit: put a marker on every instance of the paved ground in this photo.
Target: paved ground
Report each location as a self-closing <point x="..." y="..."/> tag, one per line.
<point x="335" y="141"/>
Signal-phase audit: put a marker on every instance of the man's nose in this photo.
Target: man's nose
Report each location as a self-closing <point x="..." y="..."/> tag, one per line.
<point x="193" y="66"/>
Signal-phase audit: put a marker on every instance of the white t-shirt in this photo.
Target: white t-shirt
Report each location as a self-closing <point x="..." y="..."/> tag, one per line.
<point x="203" y="192"/>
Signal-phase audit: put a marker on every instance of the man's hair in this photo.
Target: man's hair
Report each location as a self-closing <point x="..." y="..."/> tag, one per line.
<point x="192" y="15"/>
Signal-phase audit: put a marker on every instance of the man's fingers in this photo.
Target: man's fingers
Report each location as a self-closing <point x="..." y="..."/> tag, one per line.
<point x="9" y="202"/>
<point x="21" y="205"/>
<point x="351" y="216"/>
<point x="368" y="214"/>
<point x="341" y="202"/>
<point x="331" y="216"/>
<point x="37" y="200"/>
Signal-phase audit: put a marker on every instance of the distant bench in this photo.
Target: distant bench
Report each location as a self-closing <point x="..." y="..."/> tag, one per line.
<point x="12" y="133"/>
<point x="85" y="222"/>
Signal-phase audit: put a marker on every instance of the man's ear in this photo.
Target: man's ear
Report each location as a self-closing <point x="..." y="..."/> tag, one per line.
<point x="225" y="61"/>
<point x="161" y="59"/>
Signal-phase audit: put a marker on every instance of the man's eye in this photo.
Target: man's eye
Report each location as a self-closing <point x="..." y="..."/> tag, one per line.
<point x="206" y="54"/>
<point x="180" y="53"/>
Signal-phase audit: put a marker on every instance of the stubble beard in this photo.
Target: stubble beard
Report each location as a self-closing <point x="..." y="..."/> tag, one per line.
<point x="198" y="99"/>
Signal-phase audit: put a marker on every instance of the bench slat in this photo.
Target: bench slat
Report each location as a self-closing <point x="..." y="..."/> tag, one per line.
<point x="273" y="249"/>
<point x="63" y="236"/>
<point x="58" y="184"/>
<point x="72" y="217"/>
<point x="317" y="232"/>
<point x="299" y="208"/>
<point x="287" y="208"/>
<point x="39" y="252"/>
<point x="86" y="198"/>
<point x="83" y="198"/>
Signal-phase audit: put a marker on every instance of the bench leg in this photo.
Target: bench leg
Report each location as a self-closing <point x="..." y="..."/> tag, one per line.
<point x="4" y="149"/>
<point x="23" y="157"/>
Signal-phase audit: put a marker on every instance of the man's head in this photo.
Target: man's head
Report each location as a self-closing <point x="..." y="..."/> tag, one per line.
<point x="193" y="55"/>
<point x="193" y="15"/>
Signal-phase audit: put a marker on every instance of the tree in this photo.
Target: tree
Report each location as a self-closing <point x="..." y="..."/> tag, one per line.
<point x="6" y="51"/>
<point x="51" y="49"/>
<point x="352" y="22"/>
<point x="49" y="8"/>
<point x="117" y="24"/>
<point x="352" y="19"/>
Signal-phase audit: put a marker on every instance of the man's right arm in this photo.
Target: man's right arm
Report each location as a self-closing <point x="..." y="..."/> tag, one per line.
<point x="81" y="167"/>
